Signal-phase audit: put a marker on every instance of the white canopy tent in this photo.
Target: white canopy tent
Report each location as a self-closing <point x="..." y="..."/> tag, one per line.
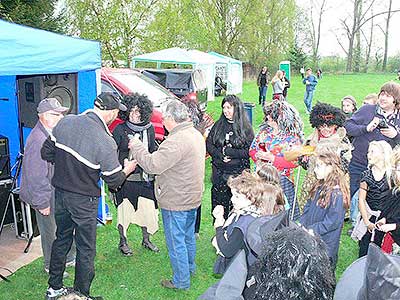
<point x="231" y="71"/>
<point x="197" y="59"/>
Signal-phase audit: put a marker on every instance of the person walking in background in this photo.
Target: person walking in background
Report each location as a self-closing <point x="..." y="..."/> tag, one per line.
<point x="262" y="83"/>
<point x="82" y="150"/>
<point x="179" y="165"/>
<point x="36" y="188"/>
<point x="310" y="81"/>
<point x="286" y="82"/>
<point x="135" y="201"/>
<point x="228" y="144"/>
<point x="277" y="85"/>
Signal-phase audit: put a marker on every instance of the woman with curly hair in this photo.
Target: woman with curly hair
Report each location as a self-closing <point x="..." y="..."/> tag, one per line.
<point x="329" y="132"/>
<point x="281" y="131"/>
<point x="329" y="199"/>
<point x="135" y="200"/>
<point x="228" y="144"/>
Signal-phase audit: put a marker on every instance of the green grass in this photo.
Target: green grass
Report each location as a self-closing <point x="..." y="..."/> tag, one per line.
<point x="139" y="276"/>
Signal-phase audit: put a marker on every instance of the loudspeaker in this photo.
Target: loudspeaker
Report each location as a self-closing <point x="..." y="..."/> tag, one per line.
<point x="5" y="186"/>
<point x="33" y="89"/>
<point x="4" y="158"/>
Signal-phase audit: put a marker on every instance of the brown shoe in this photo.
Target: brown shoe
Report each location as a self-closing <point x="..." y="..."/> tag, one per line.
<point x="168" y="284"/>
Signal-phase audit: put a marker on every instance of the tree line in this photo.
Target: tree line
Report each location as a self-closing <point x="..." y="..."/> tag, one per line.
<point x="260" y="32"/>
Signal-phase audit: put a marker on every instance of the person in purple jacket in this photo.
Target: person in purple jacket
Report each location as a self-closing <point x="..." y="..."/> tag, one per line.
<point x="373" y="123"/>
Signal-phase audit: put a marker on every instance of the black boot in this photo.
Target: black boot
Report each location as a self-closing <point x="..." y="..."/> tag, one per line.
<point x="123" y="244"/>
<point x="146" y="241"/>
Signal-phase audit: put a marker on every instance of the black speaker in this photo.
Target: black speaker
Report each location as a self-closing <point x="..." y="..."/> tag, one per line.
<point x="5" y="186"/>
<point x="5" y="172"/>
<point x="33" y="89"/>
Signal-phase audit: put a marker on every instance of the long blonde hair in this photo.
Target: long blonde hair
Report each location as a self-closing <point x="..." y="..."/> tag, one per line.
<point x="387" y="151"/>
<point x="336" y="178"/>
<point x="395" y="162"/>
<point x="278" y="76"/>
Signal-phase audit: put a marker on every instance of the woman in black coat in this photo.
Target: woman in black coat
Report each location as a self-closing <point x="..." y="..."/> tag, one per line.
<point x="135" y="200"/>
<point x="228" y="144"/>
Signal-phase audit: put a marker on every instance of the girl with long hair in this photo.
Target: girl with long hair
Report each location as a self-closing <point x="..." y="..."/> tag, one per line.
<point x="390" y="216"/>
<point x="329" y="199"/>
<point x="252" y="197"/>
<point x="374" y="190"/>
<point x="277" y="85"/>
<point x="135" y="200"/>
<point x="228" y="144"/>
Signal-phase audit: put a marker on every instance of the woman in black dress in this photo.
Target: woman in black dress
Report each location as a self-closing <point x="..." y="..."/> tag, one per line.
<point x="135" y="200"/>
<point x="228" y="144"/>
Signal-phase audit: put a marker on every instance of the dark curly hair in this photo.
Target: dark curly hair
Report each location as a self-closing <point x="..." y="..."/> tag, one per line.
<point x="324" y="113"/>
<point x="140" y="101"/>
<point x="293" y="265"/>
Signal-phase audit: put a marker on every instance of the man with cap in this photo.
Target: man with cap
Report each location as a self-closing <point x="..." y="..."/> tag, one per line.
<point x="36" y="188"/>
<point x="82" y="150"/>
<point x="310" y="81"/>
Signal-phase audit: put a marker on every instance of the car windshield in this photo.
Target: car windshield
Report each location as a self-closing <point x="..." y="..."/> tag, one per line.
<point x="143" y="85"/>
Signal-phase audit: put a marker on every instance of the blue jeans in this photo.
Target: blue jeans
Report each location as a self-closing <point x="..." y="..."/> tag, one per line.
<point x="308" y="96"/>
<point x="262" y="90"/>
<point x="354" y="208"/>
<point x="181" y="244"/>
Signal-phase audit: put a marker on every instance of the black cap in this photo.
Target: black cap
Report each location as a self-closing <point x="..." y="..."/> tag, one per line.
<point x="107" y="101"/>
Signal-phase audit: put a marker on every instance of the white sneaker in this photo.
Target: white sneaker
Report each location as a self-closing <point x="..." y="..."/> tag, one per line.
<point x="52" y="294"/>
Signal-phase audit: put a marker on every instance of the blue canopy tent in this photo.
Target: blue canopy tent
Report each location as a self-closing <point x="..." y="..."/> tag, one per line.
<point x="35" y="64"/>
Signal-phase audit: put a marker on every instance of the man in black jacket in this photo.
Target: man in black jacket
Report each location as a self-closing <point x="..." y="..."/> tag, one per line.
<point x="82" y="150"/>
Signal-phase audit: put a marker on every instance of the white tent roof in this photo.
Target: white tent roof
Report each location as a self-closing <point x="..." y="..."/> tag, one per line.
<point x="177" y="56"/>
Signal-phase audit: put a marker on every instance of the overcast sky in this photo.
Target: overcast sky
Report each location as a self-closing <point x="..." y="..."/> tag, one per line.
<point x="339" y="9"/>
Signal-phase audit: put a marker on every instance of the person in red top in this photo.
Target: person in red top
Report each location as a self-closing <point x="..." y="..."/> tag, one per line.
<point x="281" y="131"/>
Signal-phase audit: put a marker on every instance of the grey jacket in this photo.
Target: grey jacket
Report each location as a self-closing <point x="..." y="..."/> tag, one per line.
<point x="179" y="167"/>
<point x="36" y="188"/>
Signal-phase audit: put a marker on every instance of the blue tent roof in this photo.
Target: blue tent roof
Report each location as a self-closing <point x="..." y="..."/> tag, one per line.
<point x="26" y="51"/>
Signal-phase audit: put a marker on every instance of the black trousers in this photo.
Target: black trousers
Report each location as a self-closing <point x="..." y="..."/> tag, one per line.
<point x="366" y="239"/>
<point x="74" y="212"/>
<point x="220" y="191"/>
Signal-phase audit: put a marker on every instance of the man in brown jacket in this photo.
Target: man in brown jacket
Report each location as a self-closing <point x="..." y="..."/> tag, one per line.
<point x="179" y="168"/>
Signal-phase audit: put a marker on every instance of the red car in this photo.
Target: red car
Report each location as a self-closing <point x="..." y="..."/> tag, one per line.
<point x="126" y="81"/>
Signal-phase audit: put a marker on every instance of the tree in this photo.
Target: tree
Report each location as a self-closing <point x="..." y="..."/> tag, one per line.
<point x="118" y="24"/>
<point x="352" y="30"/>
<point x="297" y="57"/>
<point x="316" y="27"/>
<point x="35" y="13"/>
<point x="386" y="33"/>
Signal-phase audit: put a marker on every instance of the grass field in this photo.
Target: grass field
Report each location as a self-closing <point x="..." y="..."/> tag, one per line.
<point x="138" y="277"/>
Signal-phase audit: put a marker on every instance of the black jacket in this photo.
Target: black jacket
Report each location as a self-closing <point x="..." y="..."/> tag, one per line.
<point x="82" y="149"/>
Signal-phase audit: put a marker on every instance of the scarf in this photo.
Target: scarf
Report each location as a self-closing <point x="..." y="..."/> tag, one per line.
<point x="143" y="129"/>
